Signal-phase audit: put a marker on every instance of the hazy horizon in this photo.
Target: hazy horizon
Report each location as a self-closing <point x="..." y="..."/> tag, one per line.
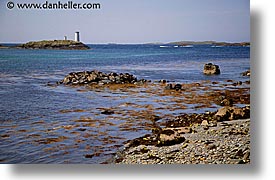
<point x="130" y="22"/>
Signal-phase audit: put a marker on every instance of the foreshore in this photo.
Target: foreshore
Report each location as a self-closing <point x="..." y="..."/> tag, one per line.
<point x="213" y="137"/>
<point x="226" y="143"/>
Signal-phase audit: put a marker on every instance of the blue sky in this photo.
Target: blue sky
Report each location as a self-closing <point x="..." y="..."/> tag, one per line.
<point x="130" y="21"/>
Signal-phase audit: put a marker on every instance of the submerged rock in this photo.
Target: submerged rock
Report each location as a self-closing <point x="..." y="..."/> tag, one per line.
<point x="210" y="69"/>
<point x="173" y="87"/>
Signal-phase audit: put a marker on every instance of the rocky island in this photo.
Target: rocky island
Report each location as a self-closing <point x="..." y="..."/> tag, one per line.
<point x="54" y="44"/>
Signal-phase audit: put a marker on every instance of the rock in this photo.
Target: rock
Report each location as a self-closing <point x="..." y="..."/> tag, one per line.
<point x="226" y="102"/>
<point x="177" y="87"/>
<point x="169" y="87"/>
<point x="246" y="73"/>
<point x="107" y="112"/>
<point x="211" y="146"/>
<point x="204" y="123"/>
<point x="223" y="114"/>
<point x="210" y="69"/>
<point x="230" y="113"/>
<point x="167" y="140"/>
<point x="246" y="156"/>
<point x="100" y="78"/>
<point x="173" y="87"/>
<point x="89" y="155"/>
<point x="179" y="130"/>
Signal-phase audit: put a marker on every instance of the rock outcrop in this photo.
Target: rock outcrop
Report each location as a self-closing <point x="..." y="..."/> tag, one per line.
<point x="55" y="44"/>
<point x="210" y="69"/>
<point x="229" y="113"/>
<point x="100" y="78"/>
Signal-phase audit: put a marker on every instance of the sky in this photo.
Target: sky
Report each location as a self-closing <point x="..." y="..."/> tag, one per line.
<point x="129" y="21"/>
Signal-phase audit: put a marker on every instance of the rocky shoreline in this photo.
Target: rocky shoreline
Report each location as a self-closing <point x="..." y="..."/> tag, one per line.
<point x="218" y="137"/>
<point x="226" y="142"/>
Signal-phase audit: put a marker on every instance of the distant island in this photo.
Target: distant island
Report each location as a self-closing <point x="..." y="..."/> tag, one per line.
<point x="51" y="44"/>
<point x="54" y="44"/>
<point x="213" y="43"/>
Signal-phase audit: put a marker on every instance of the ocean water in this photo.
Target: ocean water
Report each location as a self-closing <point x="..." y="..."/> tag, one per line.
<point x="45" y="124"/>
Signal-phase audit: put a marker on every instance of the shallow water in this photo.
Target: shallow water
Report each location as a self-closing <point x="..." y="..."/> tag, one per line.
<point x="60" y="124"/>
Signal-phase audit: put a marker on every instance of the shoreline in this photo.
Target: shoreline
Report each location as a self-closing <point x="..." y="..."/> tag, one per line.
<point x="218" y="137"/>
<point x="226" y="143"/>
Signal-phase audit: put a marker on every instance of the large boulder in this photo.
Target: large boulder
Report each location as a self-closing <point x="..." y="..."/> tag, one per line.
<point x="230" y="113"/>
<point x="210" y="69"/>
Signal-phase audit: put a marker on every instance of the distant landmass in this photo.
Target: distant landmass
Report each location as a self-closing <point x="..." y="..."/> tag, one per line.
<point x="71" y="45"/>
<point x="213" y="43"/>
<point x="51" y="44"/>
<point x="54" y="44"/>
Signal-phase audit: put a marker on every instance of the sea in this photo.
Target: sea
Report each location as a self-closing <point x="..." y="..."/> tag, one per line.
<point x="43" y="124"/>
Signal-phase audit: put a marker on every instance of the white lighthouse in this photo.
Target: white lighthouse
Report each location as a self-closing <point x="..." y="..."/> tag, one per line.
<point x="76" y="36"/>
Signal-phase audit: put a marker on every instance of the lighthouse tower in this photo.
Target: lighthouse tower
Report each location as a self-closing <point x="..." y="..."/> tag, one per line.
<point x="76" y="36"/>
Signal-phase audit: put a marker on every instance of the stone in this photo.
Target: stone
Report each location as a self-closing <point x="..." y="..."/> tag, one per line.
<point x="107" y="112"/>
<point x="210" y="69"/>
<point x="177" y="86"/>
<point x="211" y="146"/>
<point x="168" y="140"/>
<point x="246" y="73"/>
<point x="163" y="81"/>
<point x="223" y="114"/>
<point x="179" y="130"/>
<point x="231" y="113"/>
<point x="173" y="87"/>
<point x="204" y="123"/>
<point x="91" y="77"/>
<point x="226" y="102"/>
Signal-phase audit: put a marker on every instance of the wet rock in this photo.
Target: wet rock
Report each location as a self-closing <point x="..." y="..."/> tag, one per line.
<point x="177" y="86"/>
<point x="173" y="87"/>
<point x="230" y="113"/>
<point x="162" y="81"/>
<point x="246" y="73"/>
<point x="223" y="113"/>
<point x="186" y="120"/>
<point x="91" y="77"/>
<point x="226" y="102"/>
<point x="107" y="112"/>
<point x="177" y="130"/>
<point x="210" y="69"/>
<point x="169" y="87"/>
<point x="89" y="155"/>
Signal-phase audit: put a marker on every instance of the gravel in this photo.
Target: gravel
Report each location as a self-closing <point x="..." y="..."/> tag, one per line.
<point x="226" y="143"/>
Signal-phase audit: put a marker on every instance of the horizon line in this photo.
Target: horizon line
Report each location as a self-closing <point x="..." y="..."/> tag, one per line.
<point x="135" y="43"/>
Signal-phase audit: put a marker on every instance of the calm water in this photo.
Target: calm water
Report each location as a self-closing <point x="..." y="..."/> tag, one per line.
<point x="43" y="124"/>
